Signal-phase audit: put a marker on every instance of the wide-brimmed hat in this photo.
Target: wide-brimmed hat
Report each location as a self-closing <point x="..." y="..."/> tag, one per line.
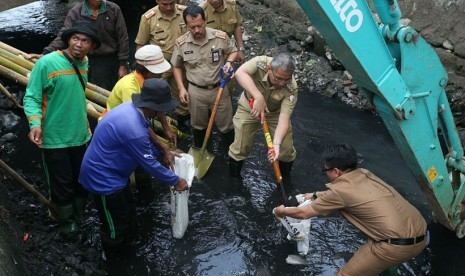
<point x="151" y="57"/>
<point x="82" y="27"/>
<point x="155" y="95"/>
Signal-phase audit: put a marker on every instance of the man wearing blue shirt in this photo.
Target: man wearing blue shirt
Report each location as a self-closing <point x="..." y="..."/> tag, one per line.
<point x="120" y="143"/>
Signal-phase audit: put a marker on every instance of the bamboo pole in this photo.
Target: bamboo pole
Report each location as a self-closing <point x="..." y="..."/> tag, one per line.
<point x="12" y="75"/>
<point x="98" y="89"/>
<point x="28" y="187"/>
<point x="14" y="50"/>
<point x="11" y="97"/>
<point x="96" y="97"/>
<point x="13" y="66"/>
<point x="17" y="59"/>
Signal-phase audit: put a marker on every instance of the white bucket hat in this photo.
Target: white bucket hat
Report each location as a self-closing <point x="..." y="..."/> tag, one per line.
<point x="151" y="57"/>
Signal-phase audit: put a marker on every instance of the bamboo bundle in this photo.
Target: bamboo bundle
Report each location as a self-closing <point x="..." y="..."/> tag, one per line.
<point x="17" y="59"/>
<point x="13" y="65"/>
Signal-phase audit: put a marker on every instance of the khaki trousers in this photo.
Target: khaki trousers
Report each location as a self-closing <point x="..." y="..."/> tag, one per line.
<point x="202" y="100"/>
<point x="246" y="127"/>
<point x="375" y="257"/>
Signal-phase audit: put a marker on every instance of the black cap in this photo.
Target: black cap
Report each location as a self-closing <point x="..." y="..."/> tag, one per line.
<point x="82" y="27"/>
<point x="155" y="95"/>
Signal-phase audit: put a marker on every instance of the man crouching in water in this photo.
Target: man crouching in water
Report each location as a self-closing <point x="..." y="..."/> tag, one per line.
<point x="396" y="230"/>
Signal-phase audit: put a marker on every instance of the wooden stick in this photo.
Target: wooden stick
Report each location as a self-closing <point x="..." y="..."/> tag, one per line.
<point x="29" y="187"/>
<point x="11" y="97"/>
<point x="14" y="50"/>
<point x="14" y="76"/>
<point x="17" y="59"/>
<point x="15" y="67"/>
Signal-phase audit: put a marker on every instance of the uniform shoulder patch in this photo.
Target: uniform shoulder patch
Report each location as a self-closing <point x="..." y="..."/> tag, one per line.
<point x="220" y="34"/>
<point x="181" y="7"/>
<point x="203" y="5"/>
<point x="150" y="13"/>
<point x="180" y="40"/>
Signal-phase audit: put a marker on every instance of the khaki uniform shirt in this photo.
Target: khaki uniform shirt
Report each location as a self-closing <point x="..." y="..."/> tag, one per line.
<point x="202" y="60"/>
<point x="278" y="100"/>
<point x="157" y="30"/>
<point x="372" y="206"/>
<point x="226" y="20"/>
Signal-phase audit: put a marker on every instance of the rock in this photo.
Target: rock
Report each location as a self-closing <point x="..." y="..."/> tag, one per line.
<point x="9" y="137"/>
<point x="8" y="120"/>
<point x="448" y="45"/>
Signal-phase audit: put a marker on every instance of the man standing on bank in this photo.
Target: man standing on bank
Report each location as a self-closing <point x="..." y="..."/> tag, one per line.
<point x="161" y="26"/>
<point x="396" y="230"/>
<point x="121" y="143"/>
<point x="224" y="15"/>
<point x="271" y="85"/>
<point x="109" y="62"/>
<point x="203" y="52"/>
<point x="55" y="105"/>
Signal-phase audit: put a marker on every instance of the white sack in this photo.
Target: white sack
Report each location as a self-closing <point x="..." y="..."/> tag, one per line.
<point x="183" y="167"/>
<point x="299" y="229"/>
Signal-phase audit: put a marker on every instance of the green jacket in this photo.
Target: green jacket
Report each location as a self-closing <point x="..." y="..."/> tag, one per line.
<point x="56" y="102"/>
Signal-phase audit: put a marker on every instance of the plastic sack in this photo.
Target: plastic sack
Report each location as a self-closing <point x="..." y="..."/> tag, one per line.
<point x="298" y="229"/>
<point x="183" y="167"/>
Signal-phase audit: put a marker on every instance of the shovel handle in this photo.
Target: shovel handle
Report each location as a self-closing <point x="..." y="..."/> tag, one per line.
<point x="269" y="144"/>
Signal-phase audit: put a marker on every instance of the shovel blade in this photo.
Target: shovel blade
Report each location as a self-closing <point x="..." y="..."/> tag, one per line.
<point x="202" y="161"/>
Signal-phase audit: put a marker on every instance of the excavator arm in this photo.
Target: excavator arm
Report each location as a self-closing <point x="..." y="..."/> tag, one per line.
<point x="401" y="74"/>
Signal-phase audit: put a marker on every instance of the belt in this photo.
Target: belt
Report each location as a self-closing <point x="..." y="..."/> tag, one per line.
<point x="246" y="96"/>
<point x="409" y="241"/>
<point x="208" y="87"/>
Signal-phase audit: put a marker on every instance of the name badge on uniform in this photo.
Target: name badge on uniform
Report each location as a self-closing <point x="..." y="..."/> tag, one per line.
<point x="182" y="26"/>
<point x="188" y="52"/>
<point x="215" y="54"/>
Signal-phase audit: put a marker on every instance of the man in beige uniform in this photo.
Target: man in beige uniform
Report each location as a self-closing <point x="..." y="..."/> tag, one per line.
<point x="224" y="15"/>
<point x="161" y="26"/>
<point x="270" y="83"/>
<point x="203" y="51"/>
<point x="396" y="230"/>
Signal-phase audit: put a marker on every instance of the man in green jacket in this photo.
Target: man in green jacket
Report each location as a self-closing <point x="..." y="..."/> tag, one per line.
<point x="55" y="105"/>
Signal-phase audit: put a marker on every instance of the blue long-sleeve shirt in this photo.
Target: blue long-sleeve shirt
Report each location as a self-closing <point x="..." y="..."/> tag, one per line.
<point x="121" y="143"/>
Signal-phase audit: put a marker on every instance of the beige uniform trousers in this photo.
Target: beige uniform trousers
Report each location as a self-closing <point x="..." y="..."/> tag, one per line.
<point x="246" y="127"/>
<point x="201" y="100"/>
<point x="375" y="257"/>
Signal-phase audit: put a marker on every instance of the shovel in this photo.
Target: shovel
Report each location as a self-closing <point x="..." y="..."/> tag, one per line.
<point x="202" y="158"/>
<point x="277" y="170"/>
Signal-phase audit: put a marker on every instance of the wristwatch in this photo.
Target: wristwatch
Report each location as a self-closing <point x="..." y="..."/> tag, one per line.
<point x="241" y="49"/>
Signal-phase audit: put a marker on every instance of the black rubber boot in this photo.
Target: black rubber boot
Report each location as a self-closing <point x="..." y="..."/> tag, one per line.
<point x="79" y="209"/>
<point x="235" y="168"/>
<point x="285" y="168"/>
<point x="67" y="222"/>
<point x="184" y="121"/>
<point x="199" y="136"/>
<point x="228" y="139"/>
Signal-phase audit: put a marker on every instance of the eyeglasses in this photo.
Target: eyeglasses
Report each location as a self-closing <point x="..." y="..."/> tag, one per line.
<point x="280" y="80"/>
<point x="323" y="171"/>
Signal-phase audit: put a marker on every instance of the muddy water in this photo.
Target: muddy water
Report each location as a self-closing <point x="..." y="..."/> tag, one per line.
<point x="231" y="229"/>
